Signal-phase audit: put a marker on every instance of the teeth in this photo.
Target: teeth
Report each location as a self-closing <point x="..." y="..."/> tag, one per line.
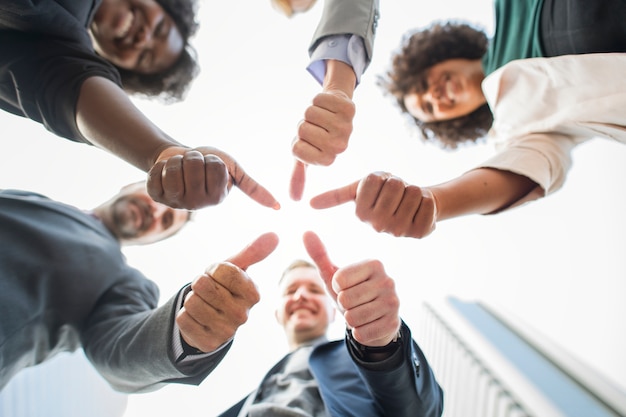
<point x="450" y="90"/>
<point x="125" y="26"/>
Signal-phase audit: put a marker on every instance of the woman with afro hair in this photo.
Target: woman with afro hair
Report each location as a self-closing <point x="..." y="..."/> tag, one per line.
<point x="536" y="109"/>
<point x="453" y="110"/>
<point x="70" y="65"/>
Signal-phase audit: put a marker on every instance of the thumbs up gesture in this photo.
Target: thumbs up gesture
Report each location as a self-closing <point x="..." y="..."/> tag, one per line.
<point x="364" y="293"/>
<point x="221" y="298"/>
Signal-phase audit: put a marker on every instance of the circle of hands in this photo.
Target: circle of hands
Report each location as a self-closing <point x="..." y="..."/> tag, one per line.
<point x="221" y="298"/>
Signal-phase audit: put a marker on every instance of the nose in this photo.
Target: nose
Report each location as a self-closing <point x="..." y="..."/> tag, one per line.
<point x="158" y="210"/>
<point x="301" y="293"/>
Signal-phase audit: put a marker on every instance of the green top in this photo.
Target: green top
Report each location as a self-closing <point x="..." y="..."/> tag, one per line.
<point x="517" y="34"/>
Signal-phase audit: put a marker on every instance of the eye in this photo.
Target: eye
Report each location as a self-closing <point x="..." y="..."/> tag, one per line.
<point x="143" y="59"/>
<point x="167" y="220"/>
<point x="427" y="108"/>
<point x="162" y="29"/>
<point x="317" y="290"/>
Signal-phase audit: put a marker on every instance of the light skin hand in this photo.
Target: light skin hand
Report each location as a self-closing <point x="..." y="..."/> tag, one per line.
<point x="393" y="206"/>
<point x="327" y="125"/>
<point x="199" y="177"/>
<point x="221" y="298"/>
<point x="363" y="292"/>
<point x="386" y="202"/>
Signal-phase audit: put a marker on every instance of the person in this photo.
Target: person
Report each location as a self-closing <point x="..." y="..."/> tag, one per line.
<point x="435" y="78"/>
<point x="377" y="370"/>
<point x="548" y="106"/>
<point x="62" y="63"/>
<point x="66" y="284"/>
<point x="340" y="53"/>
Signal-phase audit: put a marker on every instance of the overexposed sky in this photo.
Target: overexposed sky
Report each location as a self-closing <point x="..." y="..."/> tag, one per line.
<point x="558" y="263"/>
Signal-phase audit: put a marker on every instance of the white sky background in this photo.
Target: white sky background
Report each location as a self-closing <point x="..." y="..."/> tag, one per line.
<point x="558" y="263"/>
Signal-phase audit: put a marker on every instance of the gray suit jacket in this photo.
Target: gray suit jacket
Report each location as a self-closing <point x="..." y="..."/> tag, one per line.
<point x="64" y="283"/>
<point x="356" y="17"/>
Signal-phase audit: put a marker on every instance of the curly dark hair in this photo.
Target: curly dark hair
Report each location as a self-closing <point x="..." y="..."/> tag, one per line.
<point x="172" y="84"/>
<point x="420" y="50"/>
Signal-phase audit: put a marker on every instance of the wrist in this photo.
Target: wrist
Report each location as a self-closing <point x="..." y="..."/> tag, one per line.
<point x="374" y="353"/>
<point x="339" y="76"/>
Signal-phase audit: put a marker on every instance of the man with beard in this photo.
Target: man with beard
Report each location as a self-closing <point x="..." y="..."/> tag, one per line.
<point x="66" y="284"/>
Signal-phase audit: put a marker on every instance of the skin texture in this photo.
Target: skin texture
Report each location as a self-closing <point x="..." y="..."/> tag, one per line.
<point x="327" y="125"/>
<point x="452" y="89"/>
<point x="136" y="219"/>
<point x="221" y="298"/>
<point x="304" y="310"/>
<point x="137" y="35"/>
<point x="178" y="176"/>
<point x="393" y="206"/>
<point x="363" y="292"/>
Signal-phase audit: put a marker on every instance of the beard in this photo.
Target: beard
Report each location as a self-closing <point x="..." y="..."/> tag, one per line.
<point x="131" y="217"/>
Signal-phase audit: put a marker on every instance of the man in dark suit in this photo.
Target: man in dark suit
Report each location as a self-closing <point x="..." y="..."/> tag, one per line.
<point x="377" y="370"/>
<point x="65" y="284"/>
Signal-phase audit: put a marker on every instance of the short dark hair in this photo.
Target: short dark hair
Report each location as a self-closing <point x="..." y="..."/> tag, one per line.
<point x="172" y="84"/>
<point x="424" y="48"/>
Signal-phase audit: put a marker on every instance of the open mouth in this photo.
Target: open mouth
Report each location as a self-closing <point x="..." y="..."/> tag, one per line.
<point x="449" y="89"/>
<point x="124" y="30"/>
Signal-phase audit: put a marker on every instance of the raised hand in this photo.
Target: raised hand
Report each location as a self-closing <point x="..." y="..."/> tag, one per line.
<point x="200" y="177"/>
<point x="221" y="298"/>
<point x="364" y="294"/>
<point x="386" y="202"/>
<point x="327" y="125"/>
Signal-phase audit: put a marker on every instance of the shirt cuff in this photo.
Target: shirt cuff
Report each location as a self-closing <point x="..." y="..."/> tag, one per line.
<point x="177" y="346"/>
<point x="345" y="48"/>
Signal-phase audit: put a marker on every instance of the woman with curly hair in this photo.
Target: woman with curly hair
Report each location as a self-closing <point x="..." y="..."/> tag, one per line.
<point x="70" y="64"/>
<point x="436" y="77"/>
<point x="542" y="108"/>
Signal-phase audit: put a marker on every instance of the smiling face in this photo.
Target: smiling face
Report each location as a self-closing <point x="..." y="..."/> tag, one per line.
<point x="450" y="89"/>
<point x="135" y="218"/>
<point x="305" y="310"/>
<point x="137" y="35"/>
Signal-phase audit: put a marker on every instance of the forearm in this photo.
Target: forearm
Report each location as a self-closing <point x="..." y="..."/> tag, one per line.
<point x="339" y="76"/>
<point x="480" y="191"/>
<point x="107" y="118"/>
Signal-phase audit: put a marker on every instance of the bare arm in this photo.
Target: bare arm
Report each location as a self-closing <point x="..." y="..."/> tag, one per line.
<point x="392" y="206"/>
<point x="480" y="191"/>
<point x="107" y="118"/>
<point x="178" y="176"/>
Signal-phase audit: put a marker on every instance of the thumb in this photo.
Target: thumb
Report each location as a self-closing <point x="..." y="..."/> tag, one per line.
<point x="318" y="254"/>
<point x="335" y="197"/>
<point x="298" y="178"/>
<point x="256" y="251"/>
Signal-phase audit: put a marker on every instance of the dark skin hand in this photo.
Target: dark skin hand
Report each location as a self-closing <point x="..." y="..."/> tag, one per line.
<point x="179" y="176"/>
<point x="199" y="177"/>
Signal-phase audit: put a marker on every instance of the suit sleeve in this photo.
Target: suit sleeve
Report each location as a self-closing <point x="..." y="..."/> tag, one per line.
<point x="409" y="389"/>
<point x="128" y="340"/>
<point x="341" y="17"/>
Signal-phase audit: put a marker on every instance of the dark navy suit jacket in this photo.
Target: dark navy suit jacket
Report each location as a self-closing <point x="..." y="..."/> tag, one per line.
<point x="348" y="388"/>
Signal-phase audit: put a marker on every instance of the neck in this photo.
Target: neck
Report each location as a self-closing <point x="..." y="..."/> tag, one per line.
<point x="296" y="342"/>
